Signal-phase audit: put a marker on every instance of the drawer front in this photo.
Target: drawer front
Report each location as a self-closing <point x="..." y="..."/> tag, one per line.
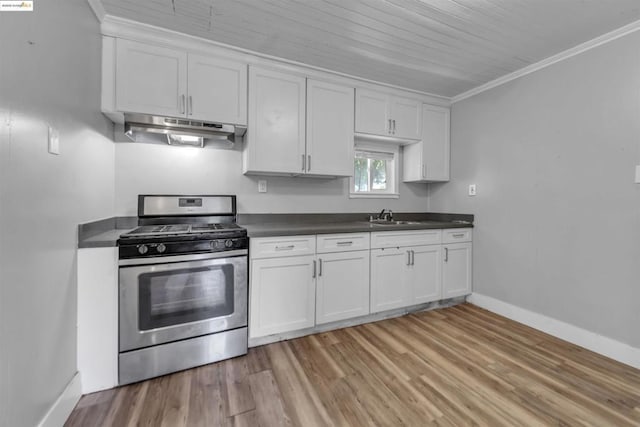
<point x="456" y="235"/>
<point x="390" y="239"/>
<point x="343" y="242"/>
<point x="273" y="247"/>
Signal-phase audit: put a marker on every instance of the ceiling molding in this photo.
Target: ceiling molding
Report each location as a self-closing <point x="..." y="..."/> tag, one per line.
<point x="98" y="9"/>
<point x="115" y="26"/>
<point x="576" y="50"/>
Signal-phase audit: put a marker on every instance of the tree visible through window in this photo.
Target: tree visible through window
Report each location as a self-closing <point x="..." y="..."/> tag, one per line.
<point x="373" y="172"/>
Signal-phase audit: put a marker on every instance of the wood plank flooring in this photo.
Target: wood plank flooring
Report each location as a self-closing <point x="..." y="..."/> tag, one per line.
<point x="450" y="367"/>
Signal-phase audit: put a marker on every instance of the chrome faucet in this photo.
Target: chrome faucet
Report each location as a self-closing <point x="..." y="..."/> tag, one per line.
<point x="384" y="215"/>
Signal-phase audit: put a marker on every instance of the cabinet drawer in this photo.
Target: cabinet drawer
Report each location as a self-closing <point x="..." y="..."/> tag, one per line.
<point x="342" y="242"/>
<point x="271" y="247"/>
<point x="388" y="239"/>
<point x="455" y="235"/>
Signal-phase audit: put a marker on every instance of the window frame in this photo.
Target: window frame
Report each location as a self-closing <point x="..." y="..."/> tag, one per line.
<point x="392" y="178"/>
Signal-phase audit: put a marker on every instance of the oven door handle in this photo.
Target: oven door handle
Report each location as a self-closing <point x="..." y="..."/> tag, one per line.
<point x="181" y="258"/>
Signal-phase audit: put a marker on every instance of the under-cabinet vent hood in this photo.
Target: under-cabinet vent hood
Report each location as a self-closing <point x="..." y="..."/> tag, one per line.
<point x="178" y="131"/>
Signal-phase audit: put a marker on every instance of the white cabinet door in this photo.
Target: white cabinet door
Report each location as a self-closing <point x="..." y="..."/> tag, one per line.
<point x="426" y="273"/>
<point x="342" y="289"/>
<point x="275" y="138"/>
<point x="456" y="271"/>
<point x="406" y="116"/>
<point x="282" y="295"/>
<point x="329" y="129"/>
<point x="372" y="112"/>
<point x="390" y="282"/>
<point x="217" y="90"/>
<point x="428" y="160"/>
<point x="150" y="79"/>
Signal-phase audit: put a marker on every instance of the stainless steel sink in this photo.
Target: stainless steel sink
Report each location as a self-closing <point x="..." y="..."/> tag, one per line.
<point x="386" y="223"/>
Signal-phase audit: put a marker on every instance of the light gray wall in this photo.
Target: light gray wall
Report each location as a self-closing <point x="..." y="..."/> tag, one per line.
<point x="157" y="169"/>
<point x="49" y="75"/>
<point x="557" y="212"/>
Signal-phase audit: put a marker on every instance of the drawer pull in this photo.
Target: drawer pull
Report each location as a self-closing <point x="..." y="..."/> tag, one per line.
<point x="285" y="248"/>
<point x="458" y="235"/>
<point x="344" y="243"/>
<point x="446" y="254"/>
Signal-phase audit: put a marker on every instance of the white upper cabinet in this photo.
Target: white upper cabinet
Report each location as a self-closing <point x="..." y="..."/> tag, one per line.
<point x="383" y="114"/>
<point x="217" y="90"/>
<point x="150" y="79"/>
<point x="329" y="145"/>
<point x="275" y="138"/>
<point x="168" y="82"/>
<point x="298" y="126"/>
<point x="428" y="160"/>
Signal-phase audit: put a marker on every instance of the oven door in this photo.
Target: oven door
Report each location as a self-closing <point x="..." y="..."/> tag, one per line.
<point x="176" y="297"/>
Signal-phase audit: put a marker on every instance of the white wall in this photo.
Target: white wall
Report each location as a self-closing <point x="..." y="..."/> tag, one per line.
<point x="49" y="75"/>
<point x="557" y="212"/>
<point x="158" y="169"/>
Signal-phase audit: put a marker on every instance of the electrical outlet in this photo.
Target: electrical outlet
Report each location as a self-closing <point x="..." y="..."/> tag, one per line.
<point x="472" y="190"/>
<point x="262" y="186"/>
<point x="637" y="174"/>
<point x="54" y="140"/>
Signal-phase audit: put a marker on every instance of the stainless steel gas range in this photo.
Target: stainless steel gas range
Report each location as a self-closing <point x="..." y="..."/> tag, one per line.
<point x="183" y="286"/>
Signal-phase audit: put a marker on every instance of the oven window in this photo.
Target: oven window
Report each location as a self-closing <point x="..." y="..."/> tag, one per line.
<point x="185" y="295"/>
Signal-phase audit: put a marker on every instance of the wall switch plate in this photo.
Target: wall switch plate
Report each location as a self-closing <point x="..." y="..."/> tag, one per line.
<point x="262" y="186"/>
<point x="54" y="140"/>
<point x="472" y="190"/>
<point x="637" y="174"/>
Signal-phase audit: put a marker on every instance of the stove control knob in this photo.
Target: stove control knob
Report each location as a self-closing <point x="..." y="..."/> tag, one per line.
<point x="161" y="248"/>
<point x="143" y="249"/>
<point x="228" y="243"/>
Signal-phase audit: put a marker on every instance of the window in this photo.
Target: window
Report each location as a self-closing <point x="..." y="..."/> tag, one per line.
<point x="374" y="172"/>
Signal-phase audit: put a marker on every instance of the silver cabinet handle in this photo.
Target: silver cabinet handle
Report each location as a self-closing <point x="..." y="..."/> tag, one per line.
<point x="190" y="108"/>
<point x="413" y="257"/>
<point x="285" y="248"/>
<point x="320" y="270"/>
<point x="182" y="104"/>
<point x="314" y="269"/>
<point x="424" y="170"/>
<point x="458" y="235"/>
<point x="389" y="120"/>
<point x="408" y="257"/>
<point x="349" y="243"/>
<point x="394" y="126"/>
<point x="303" y="159"/>
<point x="446" y="254"/>
<point x="308" y="162"/>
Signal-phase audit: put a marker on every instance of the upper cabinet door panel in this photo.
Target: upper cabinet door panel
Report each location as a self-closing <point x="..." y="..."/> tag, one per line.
<point x="435" y="137"/>
<point x="276" y="129"/>
<point x="372" y="112"/>
<point x="217" y="90"/>
<point x="150" y="79"/>
<point x="329" y="129"/>
<point x="407" y="118"/>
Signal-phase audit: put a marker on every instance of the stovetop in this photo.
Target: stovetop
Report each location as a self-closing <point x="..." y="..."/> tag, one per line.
<point x="181" y="230"/>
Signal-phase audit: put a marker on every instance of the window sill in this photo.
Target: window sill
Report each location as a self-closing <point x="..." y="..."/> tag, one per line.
<point x="374" y="195"/>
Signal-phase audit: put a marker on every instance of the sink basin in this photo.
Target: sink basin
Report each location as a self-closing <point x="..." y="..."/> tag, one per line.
<point x="386" y="223"/>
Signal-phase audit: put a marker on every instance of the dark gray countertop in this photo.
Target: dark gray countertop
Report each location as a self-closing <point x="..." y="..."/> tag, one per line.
<point x="105" y="233"/>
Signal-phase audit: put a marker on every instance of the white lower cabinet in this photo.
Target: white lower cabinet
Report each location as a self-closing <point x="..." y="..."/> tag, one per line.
<point x="426" y="273"/>
<point x="456" y="272"/>
<point x="282" y="295"/>
<point x="342" y="289"/>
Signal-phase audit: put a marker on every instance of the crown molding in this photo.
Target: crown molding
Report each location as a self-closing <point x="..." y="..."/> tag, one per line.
<point x="114" y="26"/>
<point x="98" y="9"/>
<point x="576" y="50"/>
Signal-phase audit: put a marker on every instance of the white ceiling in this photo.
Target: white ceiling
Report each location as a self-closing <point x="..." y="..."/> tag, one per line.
<point x="443" y="47"/>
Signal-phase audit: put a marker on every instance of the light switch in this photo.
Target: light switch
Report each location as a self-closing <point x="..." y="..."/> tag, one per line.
<point x="54" y="140"/>
<point x="472" y="190"/>
<point x="262" y="186"/>
<point x="637" y="174"/>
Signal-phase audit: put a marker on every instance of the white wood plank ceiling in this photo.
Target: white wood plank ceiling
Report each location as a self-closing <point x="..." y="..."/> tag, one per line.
<point x="443" y="47"/>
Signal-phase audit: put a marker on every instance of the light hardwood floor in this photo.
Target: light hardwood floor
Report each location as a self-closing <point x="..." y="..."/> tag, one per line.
<point x="451" y="367"/>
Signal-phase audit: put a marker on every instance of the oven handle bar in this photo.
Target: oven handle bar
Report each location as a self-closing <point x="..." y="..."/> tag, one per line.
<point x="181" y="258"/>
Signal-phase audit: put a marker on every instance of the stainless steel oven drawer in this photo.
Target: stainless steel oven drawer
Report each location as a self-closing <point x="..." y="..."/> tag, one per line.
<point x="138" y="365"/>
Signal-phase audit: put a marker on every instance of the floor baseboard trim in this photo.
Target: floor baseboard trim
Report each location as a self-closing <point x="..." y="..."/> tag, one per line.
<point x="600" y="344"/>
<point x="63" y="406"/>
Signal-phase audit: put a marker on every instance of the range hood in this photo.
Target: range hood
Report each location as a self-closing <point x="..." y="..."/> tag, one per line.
<point x="178" y="131"/>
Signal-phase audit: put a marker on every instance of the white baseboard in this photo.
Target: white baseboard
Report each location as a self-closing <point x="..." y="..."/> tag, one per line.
<point x="600" y="344"/>
<point x="63" y="406"/>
